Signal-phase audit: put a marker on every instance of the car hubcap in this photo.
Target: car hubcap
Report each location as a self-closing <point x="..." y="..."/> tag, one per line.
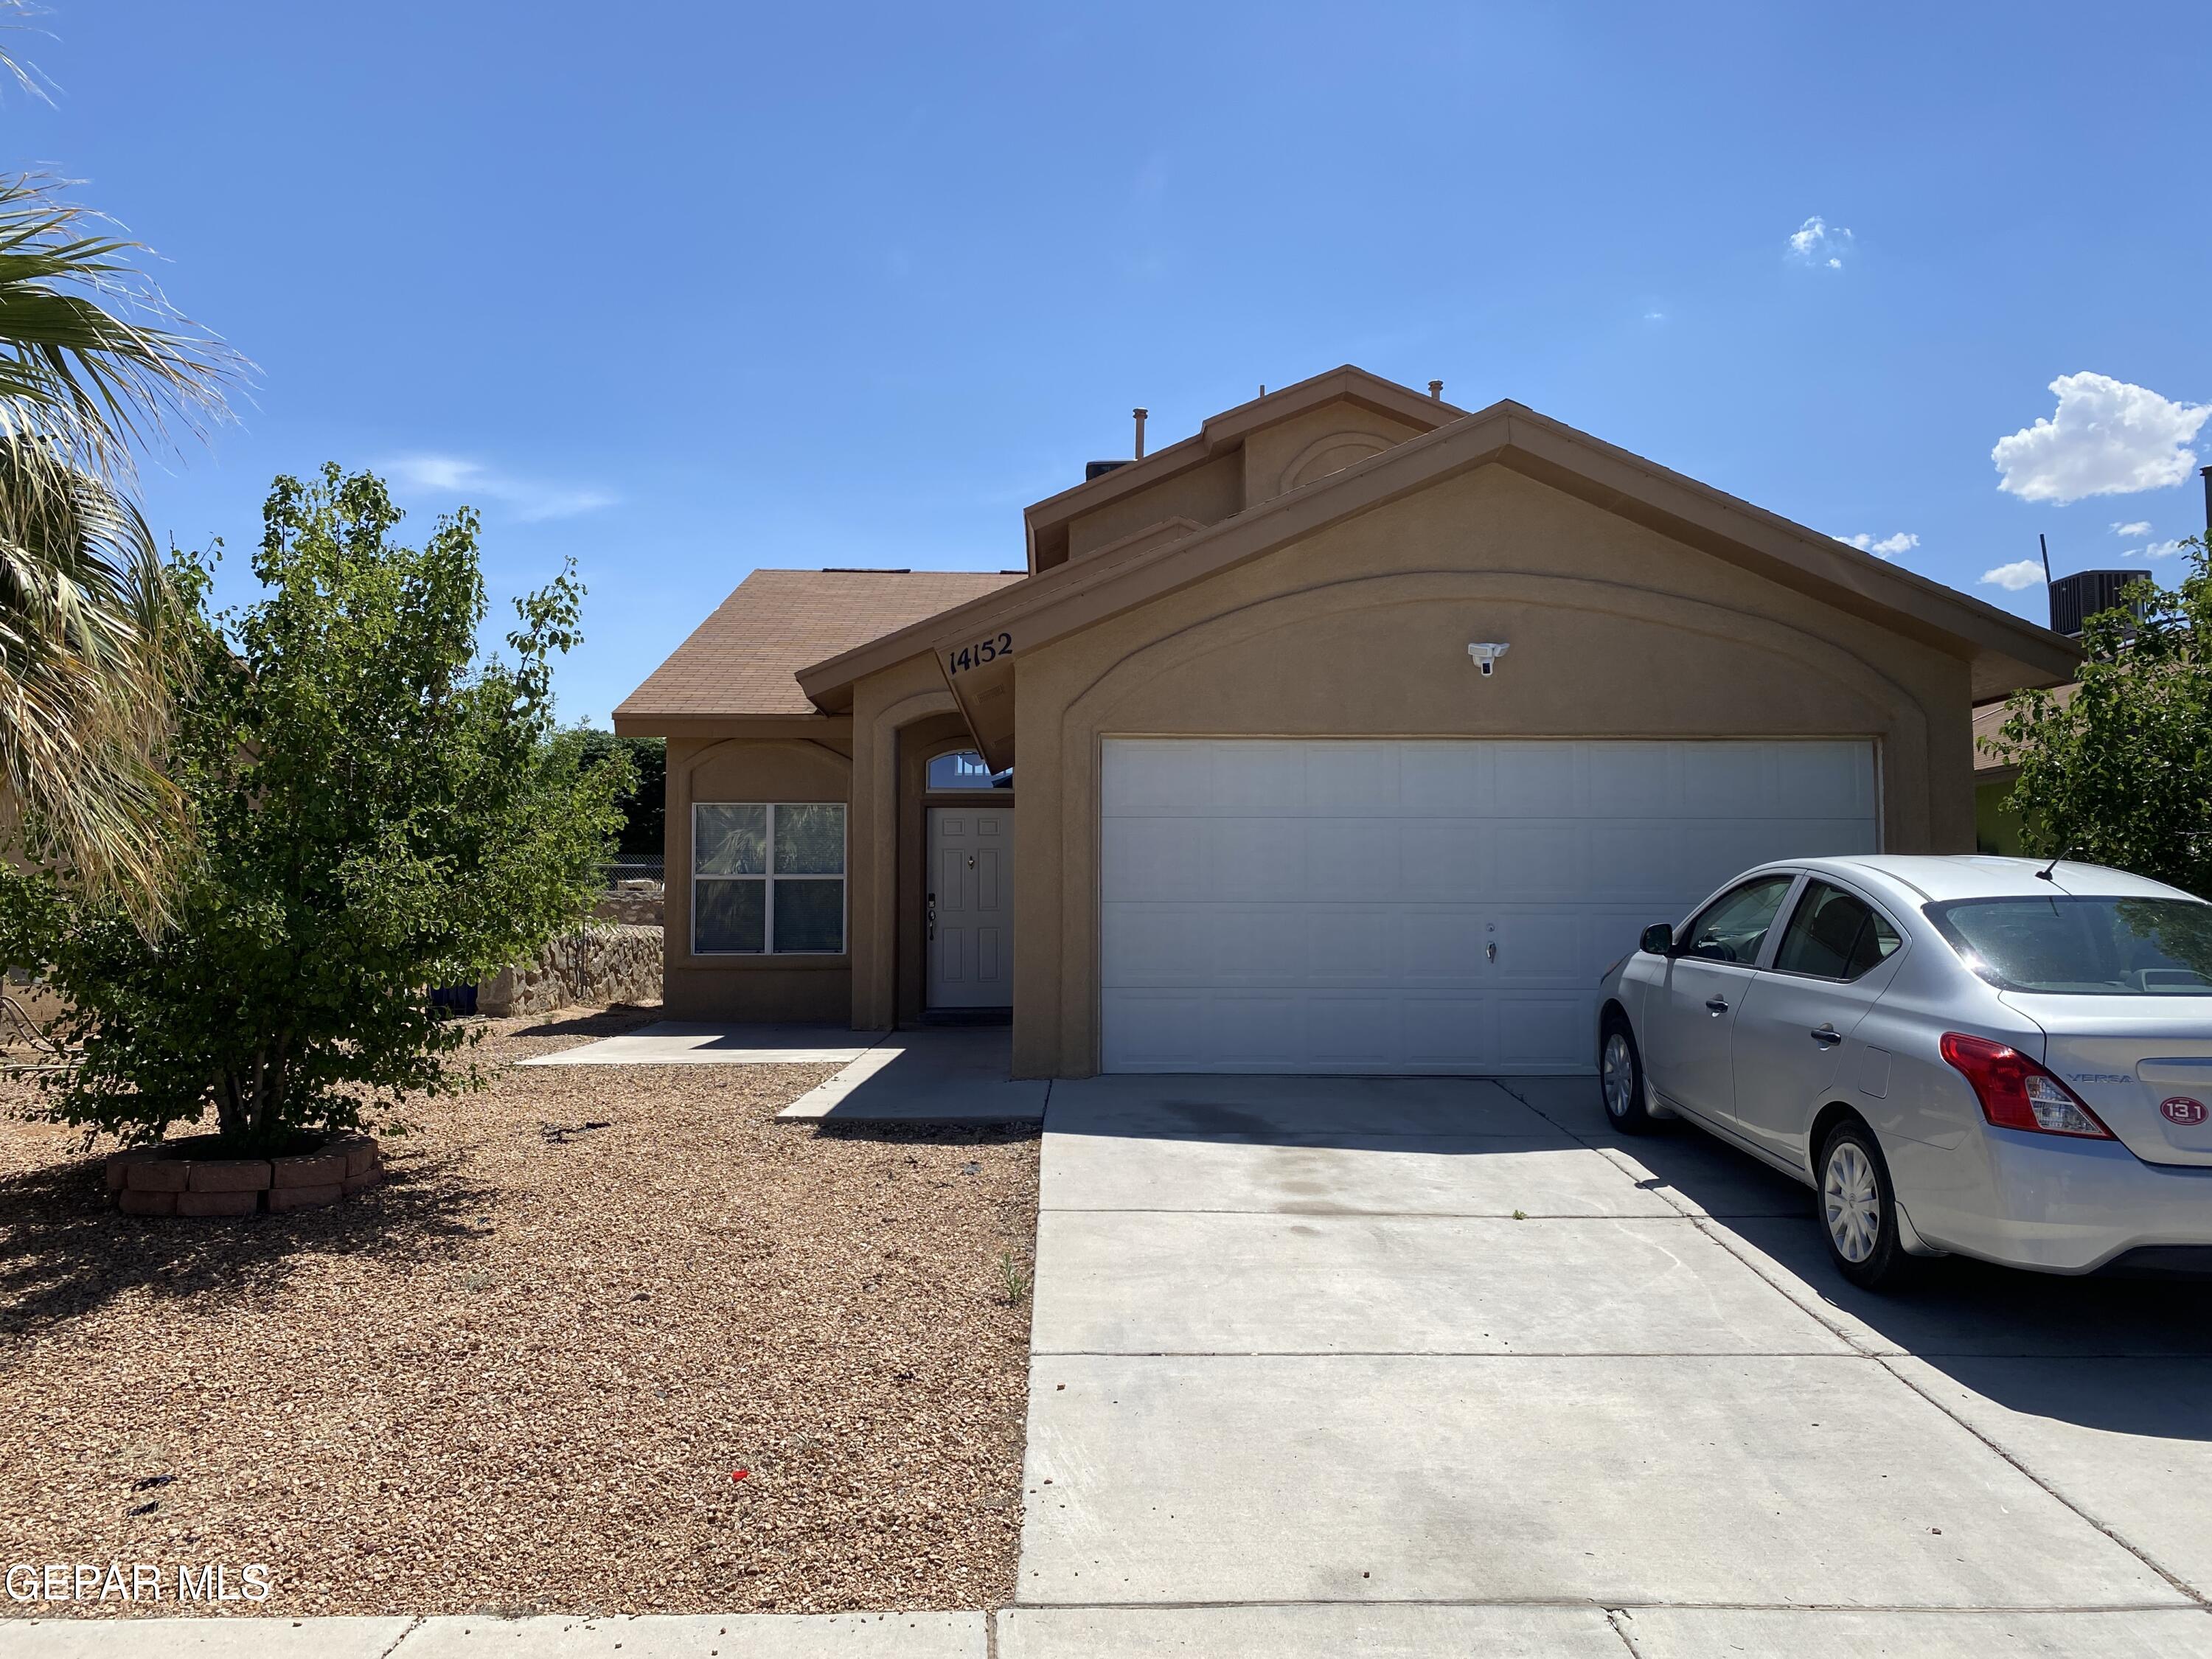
<point x="1852" y="1202"/>
<point x="1619" y="1076"/>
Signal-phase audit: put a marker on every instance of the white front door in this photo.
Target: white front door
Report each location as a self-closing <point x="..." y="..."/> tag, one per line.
<point x="970" y="907"/>
<point x="1389" y="906"/>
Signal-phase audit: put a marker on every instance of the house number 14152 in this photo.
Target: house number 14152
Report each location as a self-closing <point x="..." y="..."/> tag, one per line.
<point x="983" y="650"/>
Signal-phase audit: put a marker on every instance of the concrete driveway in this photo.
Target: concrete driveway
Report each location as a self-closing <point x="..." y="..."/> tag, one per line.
<point x="1445" y="1367"/>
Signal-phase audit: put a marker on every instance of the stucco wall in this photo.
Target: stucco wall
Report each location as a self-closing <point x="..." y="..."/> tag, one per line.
<point x="766" y="760"/>
<point x="1363" y="629"/>
<point x="1205" y="494"/>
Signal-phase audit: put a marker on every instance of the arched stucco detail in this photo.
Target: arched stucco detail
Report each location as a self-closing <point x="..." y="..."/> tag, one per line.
<point x="760" y="760"/>
<point x="1329" y="454"/>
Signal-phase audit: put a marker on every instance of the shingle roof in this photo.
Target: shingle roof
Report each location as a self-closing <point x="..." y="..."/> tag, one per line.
<point x="741" y="659"/>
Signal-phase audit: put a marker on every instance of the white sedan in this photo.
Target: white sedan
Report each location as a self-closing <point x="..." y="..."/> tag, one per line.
<point x="1992" y="1056"/>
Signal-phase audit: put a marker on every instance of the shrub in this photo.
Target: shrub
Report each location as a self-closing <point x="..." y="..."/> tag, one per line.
<point x="373" y="808"/>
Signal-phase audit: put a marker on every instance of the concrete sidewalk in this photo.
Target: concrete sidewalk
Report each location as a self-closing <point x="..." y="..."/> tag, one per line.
<point x="1442" y="1366"/>
<point x="752" y="1636"/>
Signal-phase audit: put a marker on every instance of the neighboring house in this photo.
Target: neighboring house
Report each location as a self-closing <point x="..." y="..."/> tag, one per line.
<point x="1996" y="826"/>
<point x="1220" y="780"/>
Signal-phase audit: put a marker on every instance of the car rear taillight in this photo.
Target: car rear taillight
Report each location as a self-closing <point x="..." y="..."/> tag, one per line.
<point x="2015" y="1092"/>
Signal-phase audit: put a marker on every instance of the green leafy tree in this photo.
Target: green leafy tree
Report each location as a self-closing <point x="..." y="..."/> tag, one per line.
<point x="373" y="808"/>
<point x="645" y="806"/>
<point x="2119" y="771"/>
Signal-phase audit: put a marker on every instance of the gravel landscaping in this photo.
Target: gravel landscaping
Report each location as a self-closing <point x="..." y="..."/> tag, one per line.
<point x="521" y="1375"/>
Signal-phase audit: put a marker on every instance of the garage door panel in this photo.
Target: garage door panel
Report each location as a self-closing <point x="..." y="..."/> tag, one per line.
<point x="1252" y="945"/>
<point x="1441" y="946"/>
<point x="1248" y="1031"/>
<point x="1157" y="1031"/>
<point x="1260" y="779"/>
<point x="1548" y="858"/>
<point x="1349" y="1031"/>
<point x="1353" y="858"/>
<point x="1538" y="947"/>
<point x="1534" y="780"/>
<point x="1148" y="857"/>
<point x="1170" y="780"/>
<point x="1249" y="857"/>
<point x="1630" y="779"/>
<point x="1544" y="1033"/>
<point x="1811" y="784"/>
<point x="1448" y="1034"/>
<point x="1439" y="857"/>
<point x="1350" y="944"/>
<point x="1319" y="905"/>
<point x="1444" y="780"/>
<point x="1350" y="777"/>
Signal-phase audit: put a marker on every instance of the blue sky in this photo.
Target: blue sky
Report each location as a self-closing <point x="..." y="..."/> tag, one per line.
<point x="683" y="289"/>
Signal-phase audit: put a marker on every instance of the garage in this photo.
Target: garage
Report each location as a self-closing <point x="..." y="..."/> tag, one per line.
<point x="1421" y="906"/>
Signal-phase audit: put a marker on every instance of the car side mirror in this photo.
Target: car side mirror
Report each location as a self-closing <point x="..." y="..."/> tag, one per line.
<point x="1658" y="940"/>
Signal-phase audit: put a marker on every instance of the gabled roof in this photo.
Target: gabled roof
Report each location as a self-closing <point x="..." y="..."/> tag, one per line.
<point x="2004" y="652"/>
<point x="1047" y="521"/>
<point x="743" y="660"/>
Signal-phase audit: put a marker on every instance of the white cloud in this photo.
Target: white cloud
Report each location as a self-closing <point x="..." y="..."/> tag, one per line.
<point x="2138" y="527"/>
<point x="1817" y="242"/>
<point x="2024" y="573"/>
<point x="1889" y="547"/>
<point x="2156" y="551"/>
<point x="2108" y="437"/>
<point x="529" y="499"/>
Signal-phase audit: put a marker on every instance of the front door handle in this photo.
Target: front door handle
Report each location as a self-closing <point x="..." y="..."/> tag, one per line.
<point x="1825" y="1033"/>
<point x="1719" y="1004"/>
<point x="931" y="913"/>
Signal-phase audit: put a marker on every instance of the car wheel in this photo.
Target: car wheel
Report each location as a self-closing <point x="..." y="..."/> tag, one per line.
<point x="1858" y="1209"/>
<point x="1620" y="1075"/>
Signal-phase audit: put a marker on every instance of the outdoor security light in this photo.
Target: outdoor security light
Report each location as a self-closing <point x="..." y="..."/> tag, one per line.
<point x="1487" y="656"/>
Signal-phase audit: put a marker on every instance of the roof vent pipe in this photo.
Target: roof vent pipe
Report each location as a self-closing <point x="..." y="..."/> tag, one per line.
<point x="1437" y="390"/>
<point x="1140" y="414"/>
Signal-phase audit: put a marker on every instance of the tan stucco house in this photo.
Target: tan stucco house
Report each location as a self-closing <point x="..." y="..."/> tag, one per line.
<point x="1356" y="733"/>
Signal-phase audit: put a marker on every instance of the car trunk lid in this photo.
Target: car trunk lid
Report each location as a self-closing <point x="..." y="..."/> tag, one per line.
<point x="2143" y="1065"/>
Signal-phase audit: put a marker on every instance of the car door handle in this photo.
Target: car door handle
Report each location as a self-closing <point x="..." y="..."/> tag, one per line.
<point x="1718" y="1005"/>
<point x="1826" y="1033"/>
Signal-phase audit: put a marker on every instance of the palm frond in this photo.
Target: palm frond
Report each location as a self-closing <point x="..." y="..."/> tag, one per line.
<point x="89" y="652"/>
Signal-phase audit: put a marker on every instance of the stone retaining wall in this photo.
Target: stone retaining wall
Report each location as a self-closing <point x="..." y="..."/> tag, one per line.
<point x="603" y="964"/>
<point x="641" y="903"/>
<point x="170" y="1180"/>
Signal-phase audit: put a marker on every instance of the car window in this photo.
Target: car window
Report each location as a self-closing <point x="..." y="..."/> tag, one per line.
<point x="1833" y="934"/>
<point x="2086" y="945"/>
<point x="1734" y="926"/>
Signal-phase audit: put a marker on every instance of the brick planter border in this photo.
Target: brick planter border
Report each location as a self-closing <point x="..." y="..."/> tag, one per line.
<point x="156" y="1181"/>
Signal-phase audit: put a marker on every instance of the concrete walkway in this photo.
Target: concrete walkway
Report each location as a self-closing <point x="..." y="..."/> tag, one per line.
<point x="939" y="1074"/>
<point x="683" y="1043"/>
<point x="1416" y="1367"/>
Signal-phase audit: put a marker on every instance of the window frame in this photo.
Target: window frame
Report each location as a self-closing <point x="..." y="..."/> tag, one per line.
<point x="930" y="786"/>
<point x="769" y="876"/>
<point x="1803" y="895"/>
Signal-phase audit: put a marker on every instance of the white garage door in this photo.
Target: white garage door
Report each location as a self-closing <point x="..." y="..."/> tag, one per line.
<point x="1442" y="906"/>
